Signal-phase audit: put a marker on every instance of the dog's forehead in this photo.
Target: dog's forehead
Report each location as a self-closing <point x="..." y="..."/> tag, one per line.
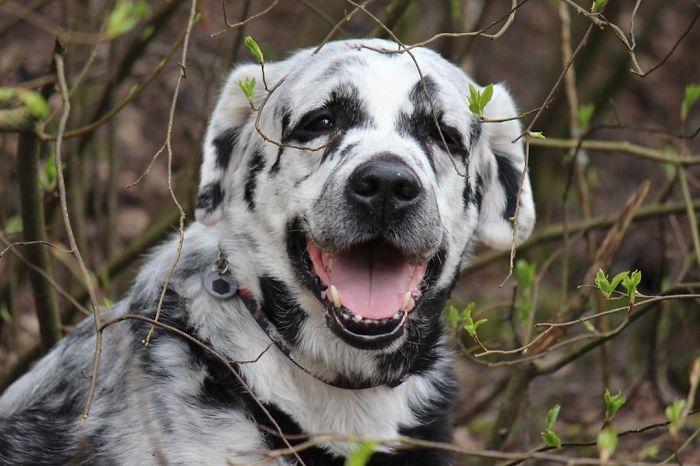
<point x="382" y="81"/>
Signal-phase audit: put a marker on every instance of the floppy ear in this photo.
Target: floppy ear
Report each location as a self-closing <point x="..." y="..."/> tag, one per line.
<point x="221" y="142"/>
<point x="503" y="169"/>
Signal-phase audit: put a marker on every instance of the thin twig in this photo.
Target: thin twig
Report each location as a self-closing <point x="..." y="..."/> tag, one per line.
<point x="168" y="146"/>
<point x="230" y="26"/>
<point x="65" y="99"/>
<point x="508" y="18"/>
<point x="598" y="19"/>
<point x="514" y="219"/>
<point x="617" y="146"/>
<point x="30" y="243"/>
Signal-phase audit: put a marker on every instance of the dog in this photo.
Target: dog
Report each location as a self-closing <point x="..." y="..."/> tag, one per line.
<point x="337" y="206"/>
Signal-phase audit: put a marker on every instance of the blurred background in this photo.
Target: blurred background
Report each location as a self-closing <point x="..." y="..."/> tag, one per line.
<point x="633" y="130"/>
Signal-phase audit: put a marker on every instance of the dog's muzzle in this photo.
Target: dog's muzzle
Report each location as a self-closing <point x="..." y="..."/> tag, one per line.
<point x="369" y="250"/>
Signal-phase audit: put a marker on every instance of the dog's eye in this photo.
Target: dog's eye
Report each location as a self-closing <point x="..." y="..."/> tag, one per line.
<point x="321" y="124"/>
<point x="313" y="125"/>
<point x="452" y="138"/>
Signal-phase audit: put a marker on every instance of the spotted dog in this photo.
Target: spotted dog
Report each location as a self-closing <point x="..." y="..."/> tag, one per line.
<point x="333" y="217"/>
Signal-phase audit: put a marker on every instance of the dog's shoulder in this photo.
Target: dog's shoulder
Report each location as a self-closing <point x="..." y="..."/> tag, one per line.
<point x="164" y="397"/>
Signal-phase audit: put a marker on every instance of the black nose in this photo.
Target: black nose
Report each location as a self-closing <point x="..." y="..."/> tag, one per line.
<point x="384" y="187"/>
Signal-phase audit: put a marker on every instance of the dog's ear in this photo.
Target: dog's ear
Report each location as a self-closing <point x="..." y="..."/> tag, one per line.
<point x="221" y="143"/>
<point x="503" y="166"/>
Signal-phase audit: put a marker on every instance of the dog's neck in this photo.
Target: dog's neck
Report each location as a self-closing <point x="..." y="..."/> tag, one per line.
<point x="221" y="283"/>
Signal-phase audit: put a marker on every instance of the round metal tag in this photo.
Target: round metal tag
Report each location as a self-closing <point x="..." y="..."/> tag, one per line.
<point x="219" y="285"/>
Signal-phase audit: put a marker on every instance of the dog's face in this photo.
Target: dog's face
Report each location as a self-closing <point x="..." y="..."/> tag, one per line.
<point x="355" y="209"/>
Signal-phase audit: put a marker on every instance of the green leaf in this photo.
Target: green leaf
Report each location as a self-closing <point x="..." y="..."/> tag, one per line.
<point x="466" y="313"/>
<point x="630" y="282"/>
<point x="254" y="49"/>
<point x="106" y="303"/>
<point x="552" y="415"/>
<point x="360" y="453"/>
<point x="649" y="453"/>
<point x="474" y="100"/>
<point x="147" y="32"/>
<point x="601" y="281"/>
<point x="589" y="326"/>
<point x="669" y="168"/>
<point x="471" y="326"/>
<point x="13" y="225"/>
<point x="6" y="93"/>
<point x="35" y="103"/>
<point x="613" y="403"/>
<point x="466" y="316"/>
<point x="615" y="282"/>
<point x="524" y="306"/>
<point x="485" y="97"/>
<point x="478" y="100"/>
<point x="597" y="5"/>
<point x="607" y="442"/>
<point x="673" y="414"/>
<point x="125" y="15"/>
<point x="550" y="438"/>
<point x="536" y="135"/>
<point x="49" y="176"/>
<point x="692" y="94"/>
<point x="248" y="87"/>
<point x="453" y="318"/>
<point x="142" y="9"/>
<point x="525" y="273"/>
<point x="585" y="113"/>
<point x="5" y="313"/>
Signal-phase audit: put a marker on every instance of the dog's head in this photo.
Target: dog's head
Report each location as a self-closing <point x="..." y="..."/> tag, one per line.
<point x="357" y="210"/>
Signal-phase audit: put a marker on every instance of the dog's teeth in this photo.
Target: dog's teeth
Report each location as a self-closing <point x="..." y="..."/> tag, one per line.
<point x="357" y="318"/>
<point x="397" y="315"/>
<point x="406" y="301"/>
<point x="335" y="296"/>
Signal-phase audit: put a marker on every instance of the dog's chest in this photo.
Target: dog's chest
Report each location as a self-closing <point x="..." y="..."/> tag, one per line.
<point x="315" y="407"/>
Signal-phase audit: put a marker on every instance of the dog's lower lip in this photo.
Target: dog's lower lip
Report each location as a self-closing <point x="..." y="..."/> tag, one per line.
<point x="365" y="333"/>
<point x="352" y="323"/>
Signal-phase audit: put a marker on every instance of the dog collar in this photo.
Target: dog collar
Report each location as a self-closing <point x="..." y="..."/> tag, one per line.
<point x="221" y="284"/>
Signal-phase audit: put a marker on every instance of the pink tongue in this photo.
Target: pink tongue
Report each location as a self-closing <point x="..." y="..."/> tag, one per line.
<point x="372" y="281"/>
<point x="372" y="287"/>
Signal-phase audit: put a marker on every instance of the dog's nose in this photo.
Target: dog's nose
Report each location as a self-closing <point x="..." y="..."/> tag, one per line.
<point x="385" y="187"/>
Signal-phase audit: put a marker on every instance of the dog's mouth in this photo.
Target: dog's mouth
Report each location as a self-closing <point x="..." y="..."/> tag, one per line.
<point x="368" y="290"/>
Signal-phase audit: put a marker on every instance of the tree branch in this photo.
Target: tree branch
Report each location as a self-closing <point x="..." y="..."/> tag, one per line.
<point x="34" y="230"/>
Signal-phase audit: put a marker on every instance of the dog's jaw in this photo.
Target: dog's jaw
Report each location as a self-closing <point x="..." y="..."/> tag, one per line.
<point x="358" y="321"/>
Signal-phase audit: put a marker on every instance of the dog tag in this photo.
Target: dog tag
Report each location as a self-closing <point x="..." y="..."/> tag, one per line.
<point x="220" y="285"/>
